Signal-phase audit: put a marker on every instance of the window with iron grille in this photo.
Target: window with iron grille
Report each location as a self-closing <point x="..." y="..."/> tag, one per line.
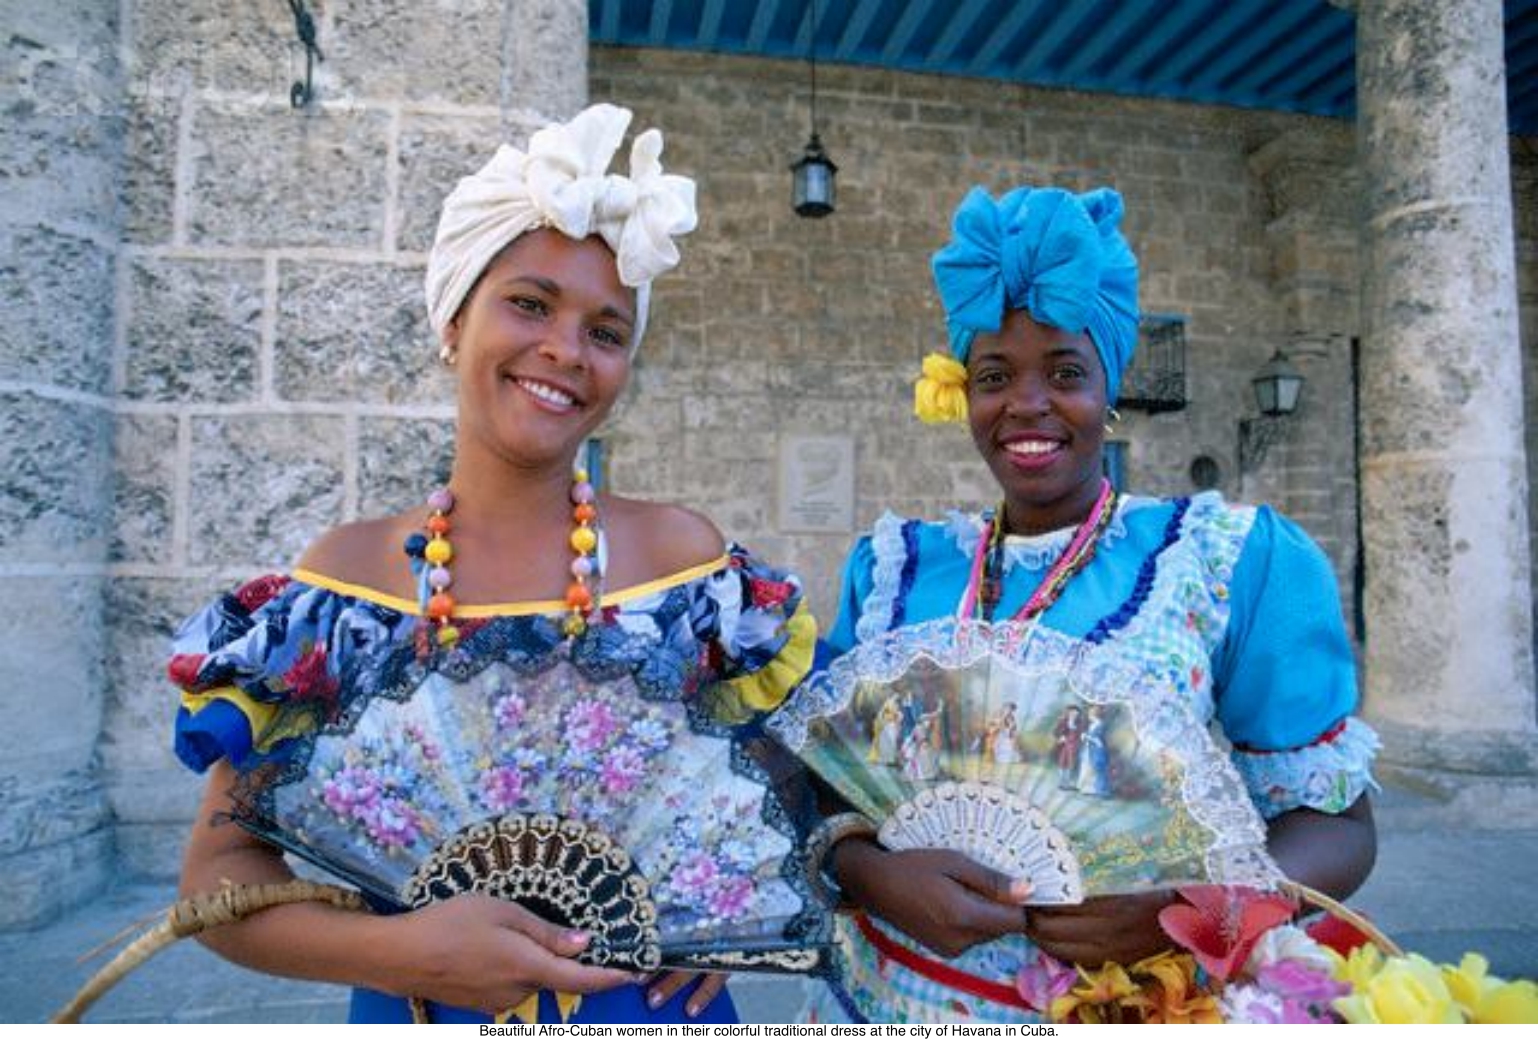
<point x="1156" y="380"/>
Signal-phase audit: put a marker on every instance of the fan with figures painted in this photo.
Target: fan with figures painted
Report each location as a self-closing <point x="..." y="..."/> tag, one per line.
<point x="1034" y="753"/>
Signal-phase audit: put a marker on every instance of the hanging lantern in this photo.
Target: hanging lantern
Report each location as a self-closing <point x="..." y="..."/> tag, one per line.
<point x="812" y="188"/>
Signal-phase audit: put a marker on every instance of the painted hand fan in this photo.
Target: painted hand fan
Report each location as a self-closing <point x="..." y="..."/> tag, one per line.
<point x="1034" y="753"/>
<point x="578" y="797"/>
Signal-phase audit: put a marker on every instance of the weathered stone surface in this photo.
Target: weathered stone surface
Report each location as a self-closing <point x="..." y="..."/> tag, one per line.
<point x="443" y="53"/>
<point x="36" y="812"/>
<point x="1432" y="71"/>
<point x="141" y="701"/>
<point x="194" y="330"/>
<point x="42" y="883"/>
<point x="263" y="487"/>
<point x="435" y="152"/>
<point x="240" y="48"/>
<point x="54" y="459"/>
<point x="58" y="95"/>
<point x="56" y="309"/>
<point x="155" y="850"/>
<point x="400" y="461"/>
<point x="148" y="189"/>
<point x="355" y="332"/>
<point x="144" y="488"/>
<point x="271" y="176"/>
<point x="545" y="34"/>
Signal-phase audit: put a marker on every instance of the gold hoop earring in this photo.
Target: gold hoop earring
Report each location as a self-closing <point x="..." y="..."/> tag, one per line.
<point x="448" y="355"/>
<point x="1112" y="417"/>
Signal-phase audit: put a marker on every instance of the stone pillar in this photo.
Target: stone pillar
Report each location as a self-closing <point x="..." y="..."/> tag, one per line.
<point x="60" y="148"/>
<point x="1449" y="653"/>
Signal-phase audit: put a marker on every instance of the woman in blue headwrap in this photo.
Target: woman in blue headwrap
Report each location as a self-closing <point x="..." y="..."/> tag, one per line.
<point x="1232" y="608"/>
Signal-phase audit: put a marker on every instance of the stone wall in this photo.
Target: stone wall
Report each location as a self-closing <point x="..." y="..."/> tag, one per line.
<point x="273" y="369"/>
<point x="60" y="148"/>
<point x="1244" y="222"/>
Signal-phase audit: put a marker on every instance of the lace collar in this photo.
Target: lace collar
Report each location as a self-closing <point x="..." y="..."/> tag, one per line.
<point x="1037" y="552"/>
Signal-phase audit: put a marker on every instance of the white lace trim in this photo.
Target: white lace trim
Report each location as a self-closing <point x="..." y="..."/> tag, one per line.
<point x="1327" y="777"/>
<point x="1037" y="552"/>
<point x="1037" y="656"/>
<point x="886" y="543"/>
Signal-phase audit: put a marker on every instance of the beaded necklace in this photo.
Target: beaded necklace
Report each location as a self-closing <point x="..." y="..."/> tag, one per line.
<point x="431" y="553"/>
<point x="986" y="582"/>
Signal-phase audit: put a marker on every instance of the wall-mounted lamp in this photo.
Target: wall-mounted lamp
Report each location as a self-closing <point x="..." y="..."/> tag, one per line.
<point x="301" y="94"/>
<point x="811" y="189"/>
<point x="1277" y="387"/>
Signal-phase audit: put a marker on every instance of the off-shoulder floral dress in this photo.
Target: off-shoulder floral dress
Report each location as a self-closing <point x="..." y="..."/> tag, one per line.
<point x="267" y="667"/>
<point x="1231" y="609"/>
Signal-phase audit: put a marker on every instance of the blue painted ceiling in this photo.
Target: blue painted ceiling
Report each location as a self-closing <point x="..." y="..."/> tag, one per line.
<point x="1287" y="55"/>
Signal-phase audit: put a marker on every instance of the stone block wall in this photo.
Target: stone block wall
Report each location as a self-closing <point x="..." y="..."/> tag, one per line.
<point x="779" y="325"/>
<point x="271" y="366"/>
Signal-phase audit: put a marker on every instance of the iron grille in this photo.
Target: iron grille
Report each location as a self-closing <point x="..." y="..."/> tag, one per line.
<point x="1156" y="380"/>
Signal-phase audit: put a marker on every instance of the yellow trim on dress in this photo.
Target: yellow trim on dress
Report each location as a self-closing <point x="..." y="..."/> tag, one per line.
<point x="260" y="715"/>
<point x="524" y="609"/>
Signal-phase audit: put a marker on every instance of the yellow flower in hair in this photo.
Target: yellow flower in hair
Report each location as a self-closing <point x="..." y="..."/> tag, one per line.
<point x="940" y="394"/>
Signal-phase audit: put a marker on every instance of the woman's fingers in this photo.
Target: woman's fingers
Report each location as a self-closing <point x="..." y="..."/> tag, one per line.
<point x="665" y="986"/>
<point x="709" y="988"/>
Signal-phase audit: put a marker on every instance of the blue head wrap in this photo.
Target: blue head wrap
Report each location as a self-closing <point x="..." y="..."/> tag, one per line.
<point x="1057" y="255"/>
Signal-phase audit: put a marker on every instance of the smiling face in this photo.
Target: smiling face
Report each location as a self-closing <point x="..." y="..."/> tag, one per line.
<point x="1036" y="403"/>
<point x="543" y="348"/>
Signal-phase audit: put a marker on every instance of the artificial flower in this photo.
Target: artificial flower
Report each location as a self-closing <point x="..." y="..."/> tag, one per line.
<point x="1171" y="994"/>
<point x="1357" y="968"/>
<point x="1407" y="990"/>
<point x="1097" y="998"/>
<point x="1338" y="935"/>
<point x="1220" y="925"/>
<point x="1249" y="1004"/>
<point x="940" y="394"/>
<point x="1305" y="991"/>
<point x="1487" y="999"/>
<point x="1288" y="942"/>
<point x="1043" y="981"/>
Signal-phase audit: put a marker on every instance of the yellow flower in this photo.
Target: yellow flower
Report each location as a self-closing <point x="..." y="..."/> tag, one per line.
<point x="1507" y="1003"/>
<point x="1172" y="996"/>
<point x="940" y="394"/>
<point x="1359" y="968"/>
<point x="1096" y="998"/>
<point x="1405" y="990"/>
<point x="1468" y="981"/>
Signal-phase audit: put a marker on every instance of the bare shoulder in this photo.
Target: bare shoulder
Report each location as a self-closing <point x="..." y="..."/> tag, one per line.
<point x="660" y="539"/>
<point x="367" y="552"/>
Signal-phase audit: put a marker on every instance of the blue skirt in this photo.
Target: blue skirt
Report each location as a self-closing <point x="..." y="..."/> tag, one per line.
<point x="622" y="1004"/>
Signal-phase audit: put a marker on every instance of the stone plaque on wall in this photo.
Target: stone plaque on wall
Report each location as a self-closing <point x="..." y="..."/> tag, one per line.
<point x="817" y="485"/>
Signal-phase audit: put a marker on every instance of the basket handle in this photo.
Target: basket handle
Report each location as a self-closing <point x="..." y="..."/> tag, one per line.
<point x="1335" y="908"/>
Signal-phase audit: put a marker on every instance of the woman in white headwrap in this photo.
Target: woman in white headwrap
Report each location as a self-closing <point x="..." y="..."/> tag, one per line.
<point x="538" y="285"/>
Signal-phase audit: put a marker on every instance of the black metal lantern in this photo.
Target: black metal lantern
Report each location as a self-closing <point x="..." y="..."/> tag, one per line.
<point x="812" y="188"/>
<point x="1277" y="386"/>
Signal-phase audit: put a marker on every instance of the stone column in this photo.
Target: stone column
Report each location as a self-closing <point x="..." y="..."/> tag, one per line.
<point x="60" y="145"/>
<point x="1449" y="652"/>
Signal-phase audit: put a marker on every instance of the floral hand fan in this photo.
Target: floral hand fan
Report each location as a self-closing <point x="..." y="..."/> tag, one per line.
<point x="1032" y="752"/>
<point x="562" y="788"/>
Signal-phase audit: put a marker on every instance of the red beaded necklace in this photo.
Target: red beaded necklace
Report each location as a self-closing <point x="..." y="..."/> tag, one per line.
<point x="985" y="582"/>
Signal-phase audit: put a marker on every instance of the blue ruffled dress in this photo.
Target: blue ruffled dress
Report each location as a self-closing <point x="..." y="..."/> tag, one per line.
<point x="1233" y="608"/>
<point x="733" y="629"/>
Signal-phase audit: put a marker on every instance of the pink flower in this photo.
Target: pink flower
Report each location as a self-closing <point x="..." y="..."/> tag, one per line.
<point x="696" y="873"/>
<point x="1044" y="981"/>
<point x="589" y="725"/>
<point x="509" y="712"/>
<point x="502" y="788"/>
<point x="622" y="770"/>
<point x="1305" y="992"/>
<point x="731" y="897"/>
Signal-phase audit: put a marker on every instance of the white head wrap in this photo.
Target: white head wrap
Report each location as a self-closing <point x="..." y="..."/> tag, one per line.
<point x="562" y="183"/>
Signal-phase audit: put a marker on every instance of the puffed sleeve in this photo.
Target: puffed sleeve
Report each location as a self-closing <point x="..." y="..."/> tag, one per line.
<point x="855" y="585"/>
<point x="244" y="660"/>
<point x="761" y="635"/>
<point x="1285" y="677"/>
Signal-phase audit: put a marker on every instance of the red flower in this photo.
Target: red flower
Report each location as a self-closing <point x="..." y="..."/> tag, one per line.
<point x="1337" y="935"/>
<point x="769" y="594"/>
<point x="310" y="681"/>
<point x="184" y="669"/>
<point x="259" y="590"/>
<point x="1221" y="925"/>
